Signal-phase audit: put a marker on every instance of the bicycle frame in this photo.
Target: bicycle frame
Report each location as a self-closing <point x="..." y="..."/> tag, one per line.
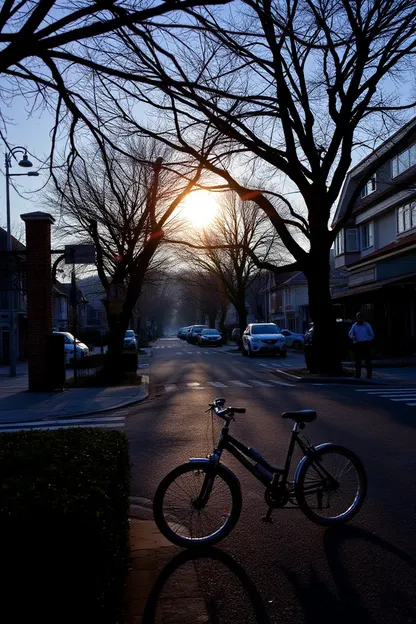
<point x="244" y="454"/>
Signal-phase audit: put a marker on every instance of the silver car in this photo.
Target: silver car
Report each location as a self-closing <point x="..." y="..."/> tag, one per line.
<point x="263" y="338"/>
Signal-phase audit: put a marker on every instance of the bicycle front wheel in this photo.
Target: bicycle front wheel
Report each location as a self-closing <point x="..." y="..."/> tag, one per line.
<point x="331" y="485"/>
<point x="178" y="515"/>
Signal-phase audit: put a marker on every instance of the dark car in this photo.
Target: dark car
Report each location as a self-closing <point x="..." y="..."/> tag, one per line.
<point x="342" y="342"/>
<point x="210" y="337"/>
<point x="194" y="332"/>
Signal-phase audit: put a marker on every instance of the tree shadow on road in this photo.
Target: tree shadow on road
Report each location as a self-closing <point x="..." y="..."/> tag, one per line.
<point x="352" y="554"/>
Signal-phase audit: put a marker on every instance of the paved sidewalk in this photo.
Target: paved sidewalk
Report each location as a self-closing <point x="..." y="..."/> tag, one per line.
<point x="19" y="405"/>
<point x="148" y="598"/>
<point x="398" y="375"/>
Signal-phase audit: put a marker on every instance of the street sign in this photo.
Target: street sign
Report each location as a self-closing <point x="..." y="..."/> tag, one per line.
<point x="79" y="254"/>
<point x="116" y="292"/>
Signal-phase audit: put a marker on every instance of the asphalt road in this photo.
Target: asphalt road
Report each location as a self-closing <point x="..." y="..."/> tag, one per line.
<point x="291" y="571"/>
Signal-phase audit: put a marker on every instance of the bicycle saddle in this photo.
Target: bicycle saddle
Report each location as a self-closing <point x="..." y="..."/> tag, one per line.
<point x="301" y="416"/>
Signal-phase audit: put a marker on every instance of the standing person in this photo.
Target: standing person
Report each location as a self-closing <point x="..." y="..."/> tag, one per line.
<point x="362" y="336"/>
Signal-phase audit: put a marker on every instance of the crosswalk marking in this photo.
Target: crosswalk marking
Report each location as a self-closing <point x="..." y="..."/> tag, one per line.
<point x="193" y="384"/>
<point x="171" y="387"/>
<point x="406" y="395"/>
<point x="256" y="382"/>
<point x="104" y="422"/>
<point x="282" y="383"/>
<point x="241" y="384"/>
<point x="385" y="389"/>
<point x="216" y="384"/>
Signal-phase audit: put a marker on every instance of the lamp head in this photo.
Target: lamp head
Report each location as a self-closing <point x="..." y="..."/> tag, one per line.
<point x="25" y="162"/>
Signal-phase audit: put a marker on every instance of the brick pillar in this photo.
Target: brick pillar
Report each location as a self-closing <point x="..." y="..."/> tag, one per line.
<point x="39" y="295"/>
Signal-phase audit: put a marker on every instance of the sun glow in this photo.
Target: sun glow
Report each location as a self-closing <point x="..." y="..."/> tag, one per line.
<point x="199" y="208"/>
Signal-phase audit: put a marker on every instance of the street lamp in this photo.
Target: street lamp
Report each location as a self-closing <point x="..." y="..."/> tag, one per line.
<point x="24" y="162"/>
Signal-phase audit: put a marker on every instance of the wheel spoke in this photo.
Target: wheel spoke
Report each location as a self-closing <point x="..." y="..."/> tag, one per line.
<point x="180" y="513"/>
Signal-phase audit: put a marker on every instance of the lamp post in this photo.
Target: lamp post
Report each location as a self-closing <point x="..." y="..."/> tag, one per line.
<point x="24" y="162"/>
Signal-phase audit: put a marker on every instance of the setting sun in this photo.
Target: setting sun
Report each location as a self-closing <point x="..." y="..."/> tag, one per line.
<point x="199" y="208"/>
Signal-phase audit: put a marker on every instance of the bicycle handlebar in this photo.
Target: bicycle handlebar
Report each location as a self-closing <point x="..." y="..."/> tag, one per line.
<point x="223" y="412"/>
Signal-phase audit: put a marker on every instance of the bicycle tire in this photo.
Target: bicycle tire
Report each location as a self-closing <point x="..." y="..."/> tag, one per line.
<point x="312" y="463"/>
<point x="167" y="525"/>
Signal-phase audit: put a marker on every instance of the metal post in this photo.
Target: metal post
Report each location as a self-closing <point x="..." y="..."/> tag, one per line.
<point x="10" y="291"/>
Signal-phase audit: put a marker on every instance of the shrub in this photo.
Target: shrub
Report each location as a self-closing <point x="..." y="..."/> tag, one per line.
<point x="64" y="507"/>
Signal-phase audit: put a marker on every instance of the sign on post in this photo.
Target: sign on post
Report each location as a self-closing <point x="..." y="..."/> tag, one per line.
<point x="116" y="294"/>
<point x="79" y="254"/>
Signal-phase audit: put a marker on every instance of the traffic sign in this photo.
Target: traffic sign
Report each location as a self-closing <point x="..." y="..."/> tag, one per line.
<point x="79" y="254"/>
<point x="116" y="292"/>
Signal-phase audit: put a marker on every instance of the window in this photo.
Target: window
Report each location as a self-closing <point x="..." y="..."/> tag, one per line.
<point x="370" y="186"/>
<point x="339" y="243"/>
<point x="367" y="235"/>
<point x="352" y="240"/>
<point x="406" y="217"/>
<point x="403" y="161"/>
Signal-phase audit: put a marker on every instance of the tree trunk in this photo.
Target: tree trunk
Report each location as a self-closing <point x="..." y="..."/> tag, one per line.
<point x="240" y="307"/>
<point x="325" y="344"/>
<point x="118" y="325"/>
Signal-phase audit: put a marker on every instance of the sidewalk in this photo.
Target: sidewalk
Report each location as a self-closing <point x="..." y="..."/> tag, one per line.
<point x="17" y="404"/>
<point x="146" y="593"/>
<point x="404" y="375"/>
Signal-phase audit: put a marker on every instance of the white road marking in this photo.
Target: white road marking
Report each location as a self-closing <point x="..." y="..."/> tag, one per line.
<point x="194" y="384"/>
<point x="171" y="387"/>
<point x="217" y="384"/>
<point x="241" y="384"/>
<point x="281" y="383"/>
<point x="256" y="382"/>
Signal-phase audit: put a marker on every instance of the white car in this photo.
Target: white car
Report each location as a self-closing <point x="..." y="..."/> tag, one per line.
<point x="263" y="338"/>
<point x="292" y="339"/>
<point x="130" y="341"/>
<point x="81" y="350"/>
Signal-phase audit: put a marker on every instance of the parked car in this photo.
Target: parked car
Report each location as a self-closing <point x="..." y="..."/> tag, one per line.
<point x="194" y="332"/>
<point x="292" y="339"/>
<point x="81" y="349"/>
<point x="130" y="340"/>
<point x="341" y="340"/>
<point x="235" y="335"/>
<point x="263" y="338"/>
<point x="209" y="337"/>
<point x="182" y="333"/>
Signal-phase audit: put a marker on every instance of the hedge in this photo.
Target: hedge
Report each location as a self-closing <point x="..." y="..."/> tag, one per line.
<point x="64" y="502"/>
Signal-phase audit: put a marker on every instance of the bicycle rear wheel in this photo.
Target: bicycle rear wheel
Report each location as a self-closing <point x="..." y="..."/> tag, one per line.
<point x="331" y="486"/>
<point x="179" y="518"/>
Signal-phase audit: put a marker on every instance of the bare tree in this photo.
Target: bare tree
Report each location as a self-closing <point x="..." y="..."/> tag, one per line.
<point x="290" y="89"/>
<point x="124" y="207"/>
<point x="204" y="291"/>
<point x="52" y="53"/>
<point x="226" y="248"/>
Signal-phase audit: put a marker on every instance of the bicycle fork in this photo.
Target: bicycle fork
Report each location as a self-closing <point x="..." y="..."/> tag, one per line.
<point x="206" y="489"/>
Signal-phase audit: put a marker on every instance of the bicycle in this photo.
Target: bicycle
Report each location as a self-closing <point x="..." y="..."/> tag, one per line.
<point x="199" y="502"/>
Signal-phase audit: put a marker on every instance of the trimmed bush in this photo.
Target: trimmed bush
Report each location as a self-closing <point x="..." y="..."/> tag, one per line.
<point x="64" y="505"/>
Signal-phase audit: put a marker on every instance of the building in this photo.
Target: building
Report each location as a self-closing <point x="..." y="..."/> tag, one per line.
<point x="286" y="301"/>
<point x="60" y="308"/>
<point x="377" y="246"/>
<point x="12" y="264"/>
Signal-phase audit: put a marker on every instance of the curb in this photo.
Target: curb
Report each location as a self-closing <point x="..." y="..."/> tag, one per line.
<point x="146" y="386"/>
<point x="330" y="380"/>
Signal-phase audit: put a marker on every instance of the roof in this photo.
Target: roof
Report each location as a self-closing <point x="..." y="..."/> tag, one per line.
<point x="17" y="245"/>
<point x="400" y="245"/>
